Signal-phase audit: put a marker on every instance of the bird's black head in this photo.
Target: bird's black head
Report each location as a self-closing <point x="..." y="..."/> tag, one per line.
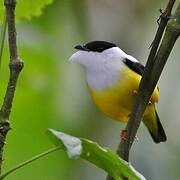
<point x="95" y="46"/>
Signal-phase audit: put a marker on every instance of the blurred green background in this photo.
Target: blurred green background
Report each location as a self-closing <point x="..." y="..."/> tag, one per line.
<point x="52" y="93"/>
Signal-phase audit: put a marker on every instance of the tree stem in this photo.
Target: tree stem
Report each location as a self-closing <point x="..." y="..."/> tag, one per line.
<point x="148" y="82"/>
<point x="15" y="66"/>
<point x="153" y="70"/>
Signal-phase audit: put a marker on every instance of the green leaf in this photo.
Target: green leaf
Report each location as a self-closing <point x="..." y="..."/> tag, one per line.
<point x="26" y="9"/>
<point x="101" y="157"/>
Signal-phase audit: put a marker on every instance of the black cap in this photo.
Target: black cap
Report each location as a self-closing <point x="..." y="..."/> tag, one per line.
<point x="95" y="46"/>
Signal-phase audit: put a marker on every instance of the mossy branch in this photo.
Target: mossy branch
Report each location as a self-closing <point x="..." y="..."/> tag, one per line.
<point x="15" y="66"/>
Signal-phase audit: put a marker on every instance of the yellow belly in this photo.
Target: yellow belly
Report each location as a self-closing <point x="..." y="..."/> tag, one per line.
<point x="117" y="101"/>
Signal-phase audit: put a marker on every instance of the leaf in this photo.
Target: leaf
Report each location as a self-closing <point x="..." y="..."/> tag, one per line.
<point x="71" y="144"/>
<point x="26" y="9"/>
<point x="92" y="152"/>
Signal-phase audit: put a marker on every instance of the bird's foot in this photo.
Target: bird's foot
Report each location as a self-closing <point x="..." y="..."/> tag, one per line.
<point x="135" y="92"/>
<point x="149" y="102"/>
<point x="123" y="135"/>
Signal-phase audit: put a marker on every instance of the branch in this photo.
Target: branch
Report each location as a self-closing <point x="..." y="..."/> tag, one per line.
<point x="153" y="69"/>
<point x="15" y="66"/>
<point x="2" y="38"/>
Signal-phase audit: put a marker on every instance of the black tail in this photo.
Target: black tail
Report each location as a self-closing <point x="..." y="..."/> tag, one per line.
<point x="160" y="135"/>
<point x="154" y="126"/>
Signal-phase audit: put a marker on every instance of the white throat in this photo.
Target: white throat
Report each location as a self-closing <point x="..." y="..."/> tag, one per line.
<point x="103" y="69"/>
<point x="104" y="76"/>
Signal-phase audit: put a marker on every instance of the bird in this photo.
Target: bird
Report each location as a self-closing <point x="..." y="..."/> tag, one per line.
<point x="113" y="79"/>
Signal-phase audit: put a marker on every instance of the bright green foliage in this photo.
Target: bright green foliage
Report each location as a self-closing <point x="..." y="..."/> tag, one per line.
<point x="101" y="157"/>
<point x="27" y="9"/>
<point x="45" y="49"/>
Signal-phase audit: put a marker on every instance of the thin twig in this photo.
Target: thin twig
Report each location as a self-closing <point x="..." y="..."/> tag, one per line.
<point x="148" y="82"/>
<point x="29" y="161"/>
<point x="15" y="66"/>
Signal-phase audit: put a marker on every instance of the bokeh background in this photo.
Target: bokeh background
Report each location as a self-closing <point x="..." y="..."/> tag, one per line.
<point x="52" y="93"/>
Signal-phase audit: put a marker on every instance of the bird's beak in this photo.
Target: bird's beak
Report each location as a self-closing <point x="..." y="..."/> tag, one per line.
<point x="80" y="47"/>
<point x="76" y="57"/>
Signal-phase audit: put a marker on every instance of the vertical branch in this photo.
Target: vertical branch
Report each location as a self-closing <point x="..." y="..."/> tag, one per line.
<point x="153" y="69"/>
<point x="147" y="84"/>
<point x="15" y="67"/>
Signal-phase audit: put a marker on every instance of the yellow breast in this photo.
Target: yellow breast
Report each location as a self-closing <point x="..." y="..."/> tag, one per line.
<point x="117" y="101"/>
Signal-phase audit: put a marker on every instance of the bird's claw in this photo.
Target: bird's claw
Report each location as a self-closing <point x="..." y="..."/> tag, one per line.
<point x="123" y="135"/>
<point x="135" y="92"/>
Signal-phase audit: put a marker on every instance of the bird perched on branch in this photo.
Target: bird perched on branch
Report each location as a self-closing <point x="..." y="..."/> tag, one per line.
<point x="113" y="79"/>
